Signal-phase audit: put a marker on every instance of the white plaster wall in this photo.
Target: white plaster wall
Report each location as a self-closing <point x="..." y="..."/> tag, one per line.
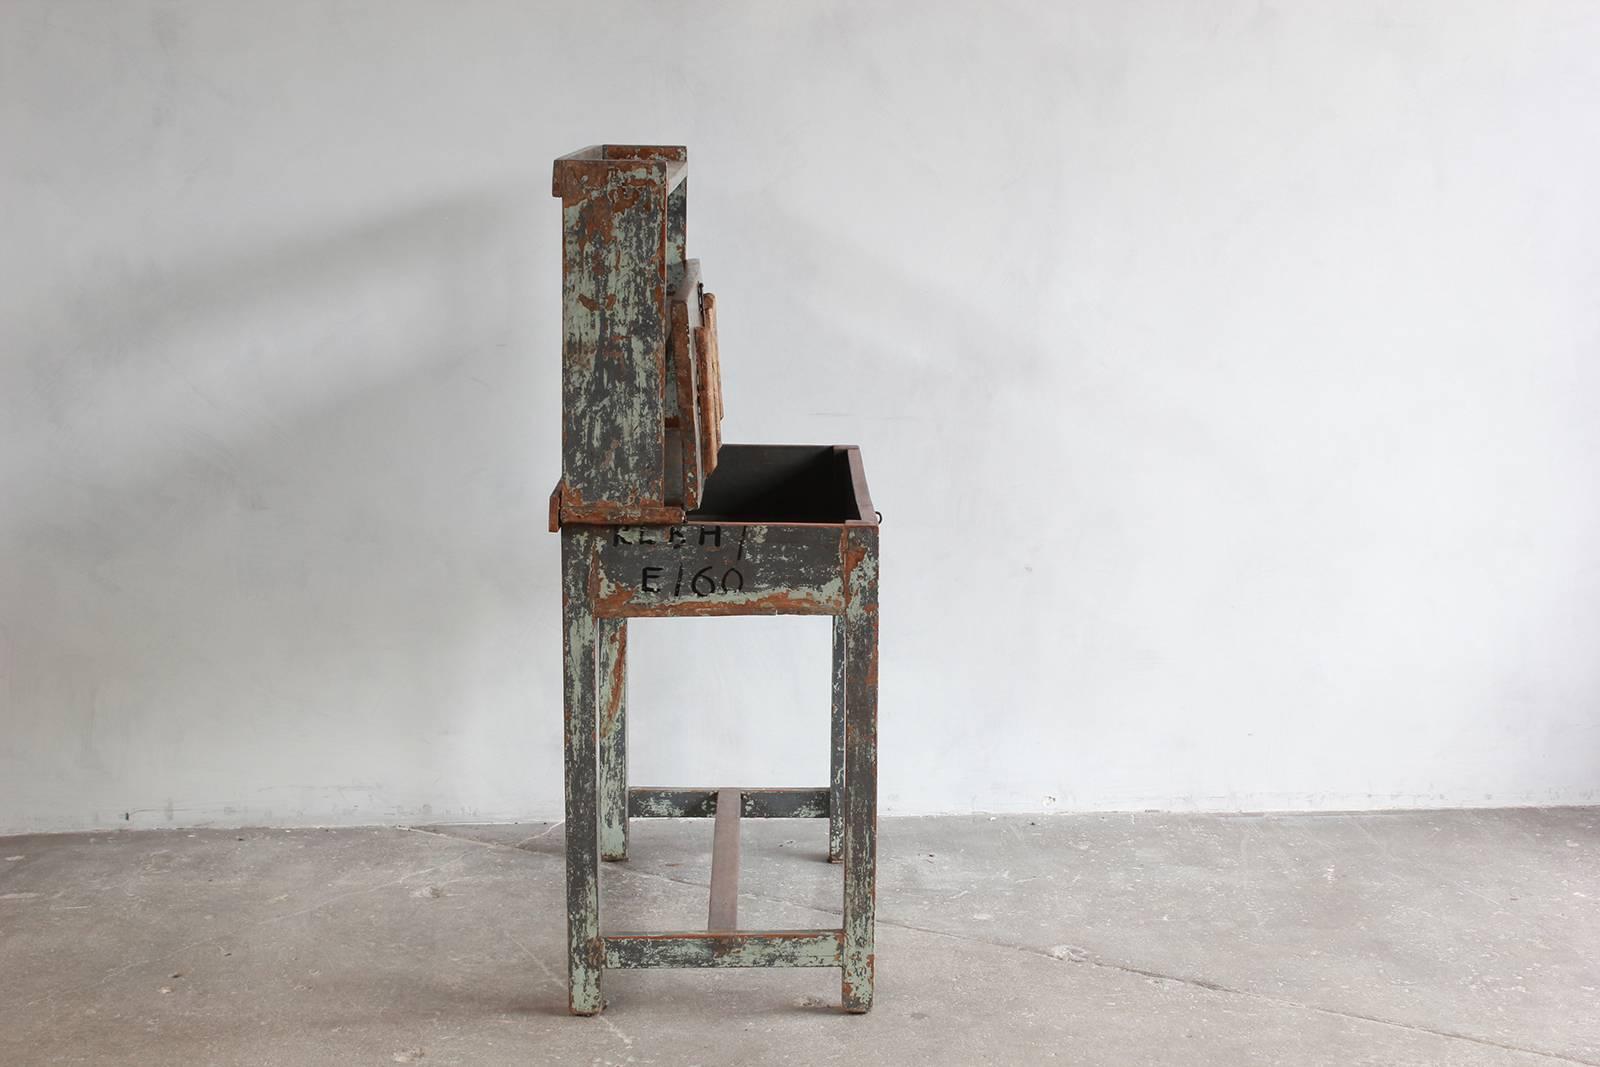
<point x="1228" y="374"/>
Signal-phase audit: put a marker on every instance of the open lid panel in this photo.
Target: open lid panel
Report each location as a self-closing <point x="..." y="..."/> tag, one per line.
<point x="641" y="381"/>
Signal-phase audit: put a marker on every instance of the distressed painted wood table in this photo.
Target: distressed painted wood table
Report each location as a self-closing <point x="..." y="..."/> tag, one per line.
<point x="659" y="518"/>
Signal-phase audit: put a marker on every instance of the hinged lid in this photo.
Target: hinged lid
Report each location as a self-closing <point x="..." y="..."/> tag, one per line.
<point x="641" y="383"/>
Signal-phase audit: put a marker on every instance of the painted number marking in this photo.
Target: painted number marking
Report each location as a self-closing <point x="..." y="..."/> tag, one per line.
<point x="710" y="579"/>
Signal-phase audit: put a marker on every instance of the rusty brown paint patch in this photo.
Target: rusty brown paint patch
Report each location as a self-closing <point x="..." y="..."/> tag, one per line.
<point x="710" y="569"/>
<point x="578" y="512"/>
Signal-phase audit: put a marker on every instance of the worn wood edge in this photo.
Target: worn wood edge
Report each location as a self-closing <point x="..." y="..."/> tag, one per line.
<point x="778" y="603"/>
<point x="672" y="152"/>
<point x="722" y="913"/>
<point x="613" y="514"/>
<point x="748" y="948"/>
<point x="555" y="509"/>
<point x="670" y="162"/>
<point x="657" y="802"/>
<point x="576" y="176"/>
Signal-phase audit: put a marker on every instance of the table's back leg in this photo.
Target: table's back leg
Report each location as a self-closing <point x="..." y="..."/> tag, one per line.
<point x="861" y="765"/>
<point x="836" y="748"/>
<point x="579" y="645"/>
<point x="613" y="738"/>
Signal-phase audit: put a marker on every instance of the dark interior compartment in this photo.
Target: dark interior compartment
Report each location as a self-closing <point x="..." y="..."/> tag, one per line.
<point x="779" y="483"/>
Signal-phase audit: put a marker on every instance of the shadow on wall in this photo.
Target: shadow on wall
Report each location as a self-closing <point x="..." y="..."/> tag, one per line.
<point x="263" y="511"/>
<point x="926" y="378"/>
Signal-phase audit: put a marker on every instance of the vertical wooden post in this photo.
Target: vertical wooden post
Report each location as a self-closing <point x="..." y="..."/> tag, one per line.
<point x="836" y="749"/>
<point x="579" y="641"/>
<point x="861" y="765"/>
<point x="613" y="703"/>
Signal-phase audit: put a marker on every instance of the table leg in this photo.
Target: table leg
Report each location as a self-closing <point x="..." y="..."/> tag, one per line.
<point x="861" y="766"/>
<point x="579" y="642"/>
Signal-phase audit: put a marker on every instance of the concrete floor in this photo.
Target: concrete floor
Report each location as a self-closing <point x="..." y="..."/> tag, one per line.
<point x="1417" y="938"/>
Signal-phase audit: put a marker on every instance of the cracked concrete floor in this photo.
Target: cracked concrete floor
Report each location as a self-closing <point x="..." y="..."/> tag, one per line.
<point x="1404" y="938"/>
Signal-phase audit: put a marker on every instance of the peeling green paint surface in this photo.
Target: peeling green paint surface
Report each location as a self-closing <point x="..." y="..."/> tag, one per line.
<point x="861" y="767"/>
<point x="579" y="643"/>
<point x="652" y="803"/>
<point x="785" y="948"/>
<point x="614" y="337"/>
<point x="727" y="569"/>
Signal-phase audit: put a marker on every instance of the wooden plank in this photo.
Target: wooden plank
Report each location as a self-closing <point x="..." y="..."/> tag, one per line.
<point x="861" y="767"/>
<point x="708" y="315"/>
<point x="683" y="381"/>
<point x="579" y="642"/>
<point x="604" y="513"/>
<point x="651" y="802"/>
<point x="613" y="705"/>
<point x="720" y="569"/>
<point x="685" y="371"/>
<point x="751" y="948"/>
<point x="614" y="333"/>
<point x="684" y="273"/>
<point x="710" y="384"/>
<point x="723" y="913"/>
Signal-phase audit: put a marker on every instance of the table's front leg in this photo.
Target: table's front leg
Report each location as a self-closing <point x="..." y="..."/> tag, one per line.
<point x="579" y="646"/>
<point x="861" y="765"/>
